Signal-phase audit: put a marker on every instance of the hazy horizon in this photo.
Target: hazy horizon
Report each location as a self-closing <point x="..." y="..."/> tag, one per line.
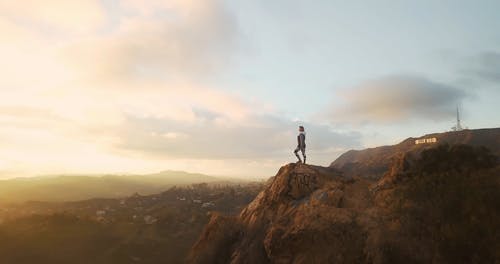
<point x="125" y="174"/>
<point x="220" y="87"/>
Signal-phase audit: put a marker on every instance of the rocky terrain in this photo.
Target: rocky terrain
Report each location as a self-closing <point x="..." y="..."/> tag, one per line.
<point x="435" y="203"/>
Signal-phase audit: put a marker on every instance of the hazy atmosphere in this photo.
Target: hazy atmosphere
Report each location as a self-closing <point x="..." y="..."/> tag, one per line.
<point x="220" y="87"/>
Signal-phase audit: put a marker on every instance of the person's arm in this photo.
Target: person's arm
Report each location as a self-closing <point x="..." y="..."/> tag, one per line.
<point x="302" y="141"/>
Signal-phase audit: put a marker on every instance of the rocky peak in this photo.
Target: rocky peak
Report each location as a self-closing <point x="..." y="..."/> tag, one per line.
<point x="292" y="186"/>
<point x="297" y="207"/>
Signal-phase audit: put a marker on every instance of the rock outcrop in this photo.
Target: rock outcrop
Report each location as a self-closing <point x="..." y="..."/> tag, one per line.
<point x="312" y="214"/>
<point x="304" y="213"/>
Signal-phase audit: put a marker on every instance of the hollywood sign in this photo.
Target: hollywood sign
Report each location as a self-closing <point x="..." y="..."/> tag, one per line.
<point x="425" y="141"/>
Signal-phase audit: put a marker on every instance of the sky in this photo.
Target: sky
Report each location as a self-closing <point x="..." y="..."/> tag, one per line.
<point x="220" y="87"/>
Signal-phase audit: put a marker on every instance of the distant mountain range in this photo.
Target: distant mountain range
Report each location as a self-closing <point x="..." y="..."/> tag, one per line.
<point x="78" y="187"/>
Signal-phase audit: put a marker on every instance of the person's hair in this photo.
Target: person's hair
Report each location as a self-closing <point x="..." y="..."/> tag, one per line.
<point x="301" y="127"/>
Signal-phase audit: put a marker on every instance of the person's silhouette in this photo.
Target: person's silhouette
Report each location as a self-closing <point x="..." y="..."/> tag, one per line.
<point x="301" y="144"/>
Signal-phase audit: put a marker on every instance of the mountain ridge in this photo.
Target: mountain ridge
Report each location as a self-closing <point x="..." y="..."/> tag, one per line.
<point x="374" y="162"/>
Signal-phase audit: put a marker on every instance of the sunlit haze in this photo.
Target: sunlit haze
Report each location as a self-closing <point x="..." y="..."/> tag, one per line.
<point x="220" y="87"/>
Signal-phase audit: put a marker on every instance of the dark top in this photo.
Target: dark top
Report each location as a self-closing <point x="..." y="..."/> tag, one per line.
<point x="301" y="140"/>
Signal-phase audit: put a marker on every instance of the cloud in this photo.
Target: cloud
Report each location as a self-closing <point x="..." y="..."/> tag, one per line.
<point x="127" y="94"/>
<point x="136" y="131"/>
<point x="486" y="66"/>
<point x="159" y="39"/>
<point x="136" y="40"/>
<point x="396" y="99"/>
<point x="58" y="15"/>
<point x="73" y="71"/>
<point x="262" y="137"/>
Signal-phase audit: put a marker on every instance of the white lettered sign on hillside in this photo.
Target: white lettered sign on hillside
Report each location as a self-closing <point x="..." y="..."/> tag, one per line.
<point x="425" y="140"/>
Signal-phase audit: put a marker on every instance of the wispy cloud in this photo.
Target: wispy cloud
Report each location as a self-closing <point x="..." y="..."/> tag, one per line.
<point x="396" y="99"/>
<point x="160" y="39"/>
<point x="258" y="137"/>
<point x="485" y="66"/>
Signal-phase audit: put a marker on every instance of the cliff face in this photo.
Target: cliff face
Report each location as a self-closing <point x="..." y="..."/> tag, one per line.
<point x="312" y="214"/>
<point x="301" y="215"/>
<point x="373" y="163"/>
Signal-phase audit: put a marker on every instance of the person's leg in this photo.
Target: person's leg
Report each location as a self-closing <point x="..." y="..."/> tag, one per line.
<point x="296" y="153"/>
<point x="303" y="150"/>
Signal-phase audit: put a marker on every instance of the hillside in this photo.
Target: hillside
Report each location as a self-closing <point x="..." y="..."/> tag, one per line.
<point x="77" y="187"/>
<point x="374" y="162"/>
<point x="440" y="204"/>
<point x="152" y="229"/>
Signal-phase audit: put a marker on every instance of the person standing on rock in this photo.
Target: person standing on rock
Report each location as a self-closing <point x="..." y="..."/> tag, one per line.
<point x="301" y="144"/>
